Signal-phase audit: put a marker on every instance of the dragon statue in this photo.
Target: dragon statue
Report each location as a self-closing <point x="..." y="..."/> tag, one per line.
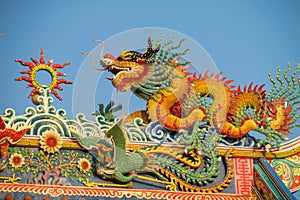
<point x="188" y="170"/>
<point x="178" y="98"/>
<point x="126" y="164"/>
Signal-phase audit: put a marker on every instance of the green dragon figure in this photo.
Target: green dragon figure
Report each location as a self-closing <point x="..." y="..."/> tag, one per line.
<point x="189" y="170"/>
<point x="126" y="163"/>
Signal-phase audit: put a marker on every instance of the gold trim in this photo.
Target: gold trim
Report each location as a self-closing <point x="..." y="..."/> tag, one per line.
<point x="286" y="150"/>
<point x="263" y="153"/>
<point x="34" y="142"/>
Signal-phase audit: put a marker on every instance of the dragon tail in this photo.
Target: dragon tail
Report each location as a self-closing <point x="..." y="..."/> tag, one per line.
<point x="282" y="112"/>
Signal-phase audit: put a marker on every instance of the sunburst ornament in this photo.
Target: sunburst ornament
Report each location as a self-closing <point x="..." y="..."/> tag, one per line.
<point x="35" y="66"/>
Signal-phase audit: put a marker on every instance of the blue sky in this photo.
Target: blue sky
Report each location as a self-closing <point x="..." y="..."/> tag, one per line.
<point x="245" y="39"/>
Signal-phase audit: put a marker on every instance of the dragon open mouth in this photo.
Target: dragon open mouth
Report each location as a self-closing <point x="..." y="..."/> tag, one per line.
<point x="108" y="63"/>
<point x="115" y="70"/>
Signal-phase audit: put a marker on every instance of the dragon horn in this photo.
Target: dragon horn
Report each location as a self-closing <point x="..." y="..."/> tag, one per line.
<point x="102" y="48"/>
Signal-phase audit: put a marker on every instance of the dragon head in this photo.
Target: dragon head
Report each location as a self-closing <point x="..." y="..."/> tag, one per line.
<point x="130" y="68"/>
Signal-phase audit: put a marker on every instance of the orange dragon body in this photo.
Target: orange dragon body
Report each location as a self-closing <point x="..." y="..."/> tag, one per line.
<point x="178" y="99"/>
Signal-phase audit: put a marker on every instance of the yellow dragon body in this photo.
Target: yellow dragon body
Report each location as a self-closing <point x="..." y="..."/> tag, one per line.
<point x="177" y="98"/>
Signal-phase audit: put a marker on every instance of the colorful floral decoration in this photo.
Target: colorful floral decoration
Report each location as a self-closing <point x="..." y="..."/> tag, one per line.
<point x="84" y="165"/>
<point x="16" y="160"/>
<point x="68" y="164"/>
<point x="50" y="141"/>
<point x="36" y="66"/>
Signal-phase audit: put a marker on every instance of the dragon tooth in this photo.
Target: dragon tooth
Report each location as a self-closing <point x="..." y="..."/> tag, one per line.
<point x="109" y="78"/>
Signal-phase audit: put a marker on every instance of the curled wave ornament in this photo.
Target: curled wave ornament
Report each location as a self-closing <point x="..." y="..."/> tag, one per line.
<point x="157" y="133"/>
<point x="136" y="131"/>
<point x="81" y="125"/>
<point x="245" y="141"/>
<point x="42" y="117"/>
<point x="46" y="117"/>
